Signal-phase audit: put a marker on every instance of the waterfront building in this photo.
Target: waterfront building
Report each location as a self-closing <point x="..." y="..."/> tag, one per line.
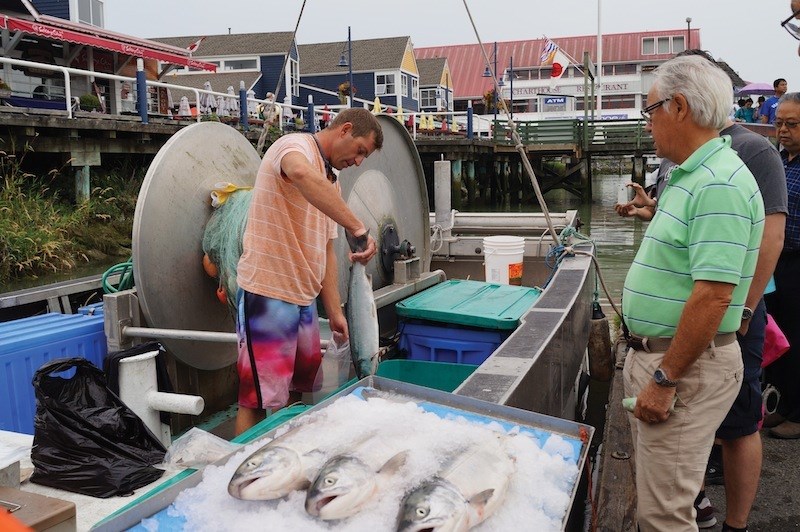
<point x="71" y="34"/>
<point x="626" y="77"/>
<point x="435" y="85"/>
<point x="257" y="59"/>
<point x="385" y="68"/>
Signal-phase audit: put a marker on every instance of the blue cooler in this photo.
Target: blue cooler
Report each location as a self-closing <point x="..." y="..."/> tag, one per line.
<point x="461" y="321"/>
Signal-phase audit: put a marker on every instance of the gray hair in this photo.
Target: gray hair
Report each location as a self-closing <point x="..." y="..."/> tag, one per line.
<point x="706" y="87"/>
<point x="790" y="97"/>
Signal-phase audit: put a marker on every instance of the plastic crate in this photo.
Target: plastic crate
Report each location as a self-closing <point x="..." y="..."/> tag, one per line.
<point x="470" y="303"/>
<point x="437" y="375"/>
<point x="438" y="342"/>
<point x="26" y="344"/>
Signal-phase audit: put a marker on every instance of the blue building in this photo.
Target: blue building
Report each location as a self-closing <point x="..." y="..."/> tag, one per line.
<point x="384" y="68"/>
<point x="435" y="85"/>
<point x="258" y="59"/>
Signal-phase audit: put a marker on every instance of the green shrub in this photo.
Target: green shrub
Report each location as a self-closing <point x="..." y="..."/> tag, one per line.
<point x="42" y="231"/>
<point x="89" y="102"/>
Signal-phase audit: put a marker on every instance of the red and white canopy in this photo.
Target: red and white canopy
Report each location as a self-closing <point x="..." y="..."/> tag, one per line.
<point x="54" y="31"/>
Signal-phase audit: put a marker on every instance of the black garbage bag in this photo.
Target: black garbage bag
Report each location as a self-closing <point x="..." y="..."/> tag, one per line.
<point x="85" y="439"/>
<point x="111" y="369"/>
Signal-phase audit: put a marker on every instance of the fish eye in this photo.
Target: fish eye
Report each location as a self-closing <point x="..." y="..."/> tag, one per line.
<point x="422" y="512"/>
<point x="330" y="481"/>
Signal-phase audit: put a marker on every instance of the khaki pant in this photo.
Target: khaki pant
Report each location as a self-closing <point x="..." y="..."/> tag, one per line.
<point x="671" y="457"/>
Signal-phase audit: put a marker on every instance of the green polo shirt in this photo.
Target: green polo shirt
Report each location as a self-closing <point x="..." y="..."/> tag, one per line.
<point x="707" y="227"/>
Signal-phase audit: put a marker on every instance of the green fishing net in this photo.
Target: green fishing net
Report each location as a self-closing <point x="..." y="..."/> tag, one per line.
<point x="222" y="239"/>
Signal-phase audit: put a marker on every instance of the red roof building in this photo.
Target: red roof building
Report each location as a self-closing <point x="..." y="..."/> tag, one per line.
<point x="624" y="82"/>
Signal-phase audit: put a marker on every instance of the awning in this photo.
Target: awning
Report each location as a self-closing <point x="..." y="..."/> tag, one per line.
<point x="56" y="33"/>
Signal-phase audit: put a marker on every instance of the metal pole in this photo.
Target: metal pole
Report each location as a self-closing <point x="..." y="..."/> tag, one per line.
<point x="141" y="90"/>
<point x="688" y="33"/>
<point x="243" y="120"/>
<point x="312" y="128"/>
<point x="511" y="84"/>
<point x="469" y="120"/>
<point x="599" y="73"/>
<point x="495" y="88"/>
<point x="350" y="65"/>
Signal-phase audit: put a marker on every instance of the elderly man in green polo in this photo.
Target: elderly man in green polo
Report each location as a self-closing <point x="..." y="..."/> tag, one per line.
<point x="685" y="291"/>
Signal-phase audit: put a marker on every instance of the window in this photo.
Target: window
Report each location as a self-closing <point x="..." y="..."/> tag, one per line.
<point x="404" y="84"/>
<point x="625" y="101"/>
<point x="384" y="84"/>
<point x="241" y="64"/>
<point x="294" y="76"/>
<point x="91" y="12"/>
<point x="414" y="88"/>
<point x="427" y="98"/>
<point x="663" y="45"/>
<point x="618" y="70"/>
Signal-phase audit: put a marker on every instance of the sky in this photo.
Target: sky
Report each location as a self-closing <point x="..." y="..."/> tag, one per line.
<point x="745" y="34"/>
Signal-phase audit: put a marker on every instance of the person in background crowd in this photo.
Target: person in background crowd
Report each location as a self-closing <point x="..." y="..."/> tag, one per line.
<point x="767" y="110"/>
<point x="784" y="304"/>
<point x="745" y="111"/>
<point x="682" y="308"/>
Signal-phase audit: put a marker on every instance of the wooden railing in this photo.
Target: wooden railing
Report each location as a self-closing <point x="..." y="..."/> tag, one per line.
<point x="592" y="135"/>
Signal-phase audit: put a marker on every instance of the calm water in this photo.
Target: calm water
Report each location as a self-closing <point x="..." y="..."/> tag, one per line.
<point x="617" y="239"/>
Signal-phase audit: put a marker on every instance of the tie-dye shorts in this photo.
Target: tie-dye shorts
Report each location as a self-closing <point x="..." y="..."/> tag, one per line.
<point x="279" y="349"/>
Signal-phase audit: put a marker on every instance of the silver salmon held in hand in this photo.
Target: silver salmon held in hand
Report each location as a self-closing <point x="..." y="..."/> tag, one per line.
<point x="467" y="492"/>
<point x="284" y="465"/>
<point x="362" y="320"/>
<point x="346" y="482"/>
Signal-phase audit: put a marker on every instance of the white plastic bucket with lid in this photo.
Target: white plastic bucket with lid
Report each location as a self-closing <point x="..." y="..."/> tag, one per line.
<point x="503" y="259"/>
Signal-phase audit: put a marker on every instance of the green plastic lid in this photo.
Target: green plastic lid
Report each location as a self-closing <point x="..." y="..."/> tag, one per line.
<point x="473" y="303"/>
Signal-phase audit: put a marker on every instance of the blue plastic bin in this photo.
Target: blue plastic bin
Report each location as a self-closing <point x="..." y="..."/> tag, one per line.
<point x="438" y="342"/>
<point x="28" y="343"/>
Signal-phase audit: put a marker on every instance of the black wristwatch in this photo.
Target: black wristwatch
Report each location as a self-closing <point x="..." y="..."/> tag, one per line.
<point x="747" y="313"/>
<point x="660" y="376"/>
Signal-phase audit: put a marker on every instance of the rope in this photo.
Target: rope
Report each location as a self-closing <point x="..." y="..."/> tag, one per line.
<point x="437" y="241"/>
<point x="125" y="269"/>
<point x="262" y="139"/>
<point x="557" y="253"/>
<point x="515" y="135"/>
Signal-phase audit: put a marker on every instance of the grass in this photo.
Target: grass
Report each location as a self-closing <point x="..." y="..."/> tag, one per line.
<point x="42" y="230"/>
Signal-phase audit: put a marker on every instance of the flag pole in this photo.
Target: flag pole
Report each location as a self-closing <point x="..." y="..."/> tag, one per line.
<point x="573" y="61"/>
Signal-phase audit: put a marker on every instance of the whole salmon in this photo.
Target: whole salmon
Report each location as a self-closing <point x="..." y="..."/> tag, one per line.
<point x="467" y="492"/>
<point x="362" y="320"/>
<point x="285" y="464"/>
<point x="349" y="481"/>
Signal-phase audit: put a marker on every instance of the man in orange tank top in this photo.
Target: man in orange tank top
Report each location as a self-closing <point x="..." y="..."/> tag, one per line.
<point x="288" y="260"/>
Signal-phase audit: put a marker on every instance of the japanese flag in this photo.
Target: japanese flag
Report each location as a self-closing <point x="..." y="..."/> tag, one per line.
<point x="560" y="64"/>
<point x="195" y="45"/>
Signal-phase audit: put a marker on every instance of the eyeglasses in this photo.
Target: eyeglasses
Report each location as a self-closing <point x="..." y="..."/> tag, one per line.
<point x="791" y="27"/>
<point x="647" y="112"/>
<point x="789" y="125"/>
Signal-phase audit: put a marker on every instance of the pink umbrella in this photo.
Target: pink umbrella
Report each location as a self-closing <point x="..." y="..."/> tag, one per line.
<point x="757" y="88"/>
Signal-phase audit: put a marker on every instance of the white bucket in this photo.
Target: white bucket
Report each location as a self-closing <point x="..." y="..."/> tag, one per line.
<point x="503" y="259"/>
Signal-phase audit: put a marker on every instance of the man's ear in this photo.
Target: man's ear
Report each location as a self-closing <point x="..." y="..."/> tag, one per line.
<point x="346" y="128"/>
<point x="681" y="106"/>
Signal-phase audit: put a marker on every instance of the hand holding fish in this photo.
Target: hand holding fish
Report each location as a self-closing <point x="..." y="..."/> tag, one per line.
<point x="362" y="247"/>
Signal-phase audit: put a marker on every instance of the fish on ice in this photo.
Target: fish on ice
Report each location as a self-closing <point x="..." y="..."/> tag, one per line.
<point x="346" y="482"/>
<point x="284" y="465"/>
<point x="463" y="495"/>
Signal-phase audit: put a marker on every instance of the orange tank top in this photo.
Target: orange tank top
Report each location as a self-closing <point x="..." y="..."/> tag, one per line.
<point x="285" y="239"/>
